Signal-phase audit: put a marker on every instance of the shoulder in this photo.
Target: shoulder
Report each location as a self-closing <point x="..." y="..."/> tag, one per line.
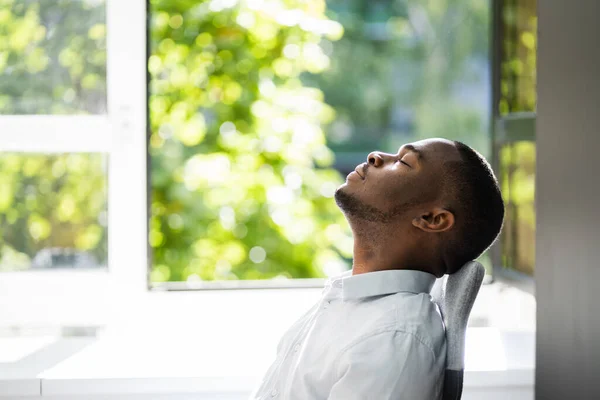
<point x="406" y="314"/>
<point x="416" y="315"/>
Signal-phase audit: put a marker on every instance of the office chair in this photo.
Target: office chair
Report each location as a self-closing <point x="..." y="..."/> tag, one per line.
<point x="455" y="294"/>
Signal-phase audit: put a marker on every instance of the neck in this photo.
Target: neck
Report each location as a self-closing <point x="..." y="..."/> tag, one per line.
<point x="378" y="249"/>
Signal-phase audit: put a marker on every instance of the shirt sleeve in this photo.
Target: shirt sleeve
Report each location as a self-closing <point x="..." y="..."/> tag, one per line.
<point x="390" y="365"/>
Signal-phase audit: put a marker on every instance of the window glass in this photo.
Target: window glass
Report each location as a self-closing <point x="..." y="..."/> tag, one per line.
<point x="52" y="57"/>
<point x="517" y="163"/>
<point x="53" y="211"/>
<point x="517" y="159"/>
<point x="518" y="65"/>
<point x="259" y="108"/>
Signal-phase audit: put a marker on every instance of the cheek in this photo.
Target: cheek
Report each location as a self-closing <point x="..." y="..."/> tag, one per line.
<point x="407" y="190"/>
<point x="396" y="189"/>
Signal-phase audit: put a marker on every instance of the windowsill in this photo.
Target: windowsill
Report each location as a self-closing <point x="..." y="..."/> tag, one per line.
<point x="209" y="344"/>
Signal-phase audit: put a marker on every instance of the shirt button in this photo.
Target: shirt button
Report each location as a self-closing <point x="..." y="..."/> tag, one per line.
<point x="274" y="392"/>
<point x="296" y="347"/>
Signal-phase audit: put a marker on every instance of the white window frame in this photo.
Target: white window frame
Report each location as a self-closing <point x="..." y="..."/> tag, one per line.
<point x="86" y="296"/>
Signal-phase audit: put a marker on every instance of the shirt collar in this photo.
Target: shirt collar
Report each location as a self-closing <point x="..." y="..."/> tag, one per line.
<point x="382" y="282"/>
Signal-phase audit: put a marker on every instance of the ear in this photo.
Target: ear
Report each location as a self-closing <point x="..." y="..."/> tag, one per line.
<point x="435" y="221"/>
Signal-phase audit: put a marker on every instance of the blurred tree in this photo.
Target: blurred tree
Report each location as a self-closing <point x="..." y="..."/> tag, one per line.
<point x="517" y="165"/>
<point x="240" y="184"/>
<point x="221" y="78"/>
<point x="406" y="70"/>
<point x="51" y="201"/>
<point x="517" y="159"/>
<point x="519" y="55"/>
<point x="52" y="57"/>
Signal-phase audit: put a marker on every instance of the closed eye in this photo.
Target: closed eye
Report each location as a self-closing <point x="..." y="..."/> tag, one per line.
<point x="405" y="164"/>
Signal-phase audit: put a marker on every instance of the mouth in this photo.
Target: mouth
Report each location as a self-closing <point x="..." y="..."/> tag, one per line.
<point x="361" y="170"/>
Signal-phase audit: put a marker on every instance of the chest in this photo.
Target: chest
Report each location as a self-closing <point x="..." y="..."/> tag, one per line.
<point x="320" y="336"/>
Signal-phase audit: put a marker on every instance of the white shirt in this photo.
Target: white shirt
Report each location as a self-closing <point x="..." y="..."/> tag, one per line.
<point x="374" y="336"/>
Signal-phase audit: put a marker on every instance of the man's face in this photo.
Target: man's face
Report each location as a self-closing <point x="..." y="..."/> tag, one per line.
<point x="387" y="185"/>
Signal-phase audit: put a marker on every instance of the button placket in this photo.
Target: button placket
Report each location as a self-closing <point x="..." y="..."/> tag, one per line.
<point x="274" y="393"/>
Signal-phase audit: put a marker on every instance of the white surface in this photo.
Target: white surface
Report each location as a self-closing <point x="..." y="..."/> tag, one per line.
<point x="54" y="133"/>
<point x="44" y="298"/>
<point x="127" y="197"/>
<point x="178" y="364"/>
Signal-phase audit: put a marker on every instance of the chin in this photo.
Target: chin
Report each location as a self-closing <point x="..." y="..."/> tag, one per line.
<point x="339" y="193"/>
<point x="344" y="189"/>
<point x="339" y="190"/>
<point x="344" y="198"/>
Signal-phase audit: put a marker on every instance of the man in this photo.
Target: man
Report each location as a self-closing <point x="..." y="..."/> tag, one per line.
<point x="415" y="215"/>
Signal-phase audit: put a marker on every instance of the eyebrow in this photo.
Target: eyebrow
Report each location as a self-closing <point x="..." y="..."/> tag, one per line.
<point x="413" y="149"/>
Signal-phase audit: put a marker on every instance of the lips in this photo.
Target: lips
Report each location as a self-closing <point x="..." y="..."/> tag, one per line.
<point x="360" y="170"/>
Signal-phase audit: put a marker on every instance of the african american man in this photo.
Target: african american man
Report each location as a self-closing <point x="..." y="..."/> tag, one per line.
<point x="375" y="334"/>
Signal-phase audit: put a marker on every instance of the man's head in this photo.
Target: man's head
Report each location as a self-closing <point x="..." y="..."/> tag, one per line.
<point x="440" y="198"/>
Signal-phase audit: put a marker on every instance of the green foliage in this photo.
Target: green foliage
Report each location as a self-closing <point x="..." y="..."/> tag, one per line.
<point x="406" y="70"/>
<point x="233" y="80"/>
<point x="517" y="163"/>
<point x="52" y="57"/>
<point x="519" y="55"/>
<point x="517" y="160"/>
<point x="240" y="184"/>
<point x="51" y="201"/>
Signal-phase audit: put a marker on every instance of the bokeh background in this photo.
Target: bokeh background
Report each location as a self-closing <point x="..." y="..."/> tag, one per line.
<point x="257" y="111"/>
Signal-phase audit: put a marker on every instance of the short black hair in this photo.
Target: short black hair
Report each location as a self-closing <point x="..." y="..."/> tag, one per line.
<point x="477" y="206"/>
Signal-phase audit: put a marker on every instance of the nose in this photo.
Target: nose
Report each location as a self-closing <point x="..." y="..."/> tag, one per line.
<point x="375" y="159"/>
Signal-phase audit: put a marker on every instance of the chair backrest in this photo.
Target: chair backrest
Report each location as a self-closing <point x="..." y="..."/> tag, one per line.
<point x="455" y="294"/>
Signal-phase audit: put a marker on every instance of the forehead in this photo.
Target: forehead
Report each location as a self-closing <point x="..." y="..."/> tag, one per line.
<point x="437" y="150"/>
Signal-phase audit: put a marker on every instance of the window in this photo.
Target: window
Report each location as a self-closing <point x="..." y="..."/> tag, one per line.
<point x="253" y="116"/>
<point x="72" y="159"/>
<point x="514" y="139"/>
<point x="518" y="60"/>
<point x="259" y="108"/>
<point x="53" y="209"/>
<point x="53" y="57"/>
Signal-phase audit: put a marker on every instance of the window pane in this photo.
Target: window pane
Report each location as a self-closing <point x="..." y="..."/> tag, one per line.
<point x="517" y="158"/>
<point x="52" y="211"/>
<point x="518" y="67"/>
<point x="517" y="163"/>
<point x="52" y="57"/>
<point x="258" y="110"/>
